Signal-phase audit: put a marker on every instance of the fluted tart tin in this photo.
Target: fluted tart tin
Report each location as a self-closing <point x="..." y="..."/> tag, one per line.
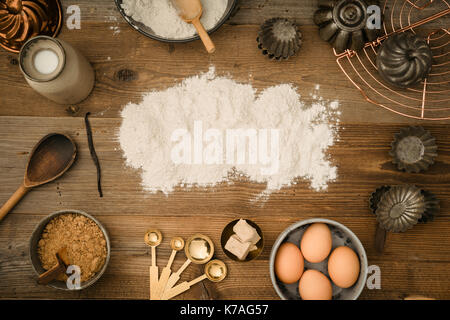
<point x="413" y="150"/>
<point x="400" y="208"/>
<point x="279" y="38"/>
<point x="343" y="23"/>
<point x="404" y="60"/>
<point x="22" y="20"/>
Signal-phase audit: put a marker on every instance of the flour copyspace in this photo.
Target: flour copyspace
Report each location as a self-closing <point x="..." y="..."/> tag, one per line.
<point x="198" y="131"/>
<point x="162" y="17"/>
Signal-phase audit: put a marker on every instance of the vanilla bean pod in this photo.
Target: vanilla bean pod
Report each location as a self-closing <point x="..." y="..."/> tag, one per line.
<point x="94" y="154"/>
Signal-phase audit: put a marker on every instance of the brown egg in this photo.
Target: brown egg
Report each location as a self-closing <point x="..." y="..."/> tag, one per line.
<point x="343" y="267"/>
<point x="289" y="263"/>
<point x="314" y="285"/>
<point x="316" y="242"/>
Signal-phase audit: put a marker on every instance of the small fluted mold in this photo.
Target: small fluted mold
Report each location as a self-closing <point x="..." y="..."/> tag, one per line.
<point x="279" y="38"/>
<point x="414" y="149"/>
<point x="432" y="207"/>
<point x="22" y="20"/>
<point x="343" y="23"/>
<point x="404" y="60"/>
<point x="400" y="208"/>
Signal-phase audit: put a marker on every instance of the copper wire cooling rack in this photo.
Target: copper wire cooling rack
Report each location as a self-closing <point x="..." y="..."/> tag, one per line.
<point x="428" y="100"/>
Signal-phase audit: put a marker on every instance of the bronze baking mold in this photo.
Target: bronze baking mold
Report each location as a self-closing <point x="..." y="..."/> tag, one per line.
<point x="279" y="38"/>
<point x="343" y="23"/>
<point x="22" y="20"/>
<point x="413" y="150"/>
<point x="400" y="208"/>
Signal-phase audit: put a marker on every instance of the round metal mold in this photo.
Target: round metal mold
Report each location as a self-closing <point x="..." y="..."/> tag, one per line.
<point x="400" y="208"/>
<point x="34" y="256"/>
<point x="404" y="60"/>
<point x="279" y="39"/>
<point x="413" y="150"/>
<point x="343" y="23"/>
<point x="341" y="236"/>
<point x="148" y="32"/>
<point x="22" y="20"/>
<point x="432" y="206"/>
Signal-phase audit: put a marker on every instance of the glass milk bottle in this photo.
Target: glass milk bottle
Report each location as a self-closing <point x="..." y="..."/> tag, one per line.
<point x="56" y="70"/>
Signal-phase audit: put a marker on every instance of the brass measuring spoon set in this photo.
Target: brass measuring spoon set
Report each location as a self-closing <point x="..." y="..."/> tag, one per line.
<point x="199" y="249"/>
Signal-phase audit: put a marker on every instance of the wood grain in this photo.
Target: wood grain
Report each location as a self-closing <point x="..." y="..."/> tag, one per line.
<point x="128" y="65"/>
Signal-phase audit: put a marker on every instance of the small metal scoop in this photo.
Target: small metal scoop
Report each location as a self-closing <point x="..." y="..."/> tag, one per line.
<point x="177" y="244"/>
<point x="195" y="257"/>
<point x="191" y="11"/>
<point x="215" y="271"/>
<point x="58" y="269"/>
<point x="52" y="156"/>
<point x="153" y="239"/>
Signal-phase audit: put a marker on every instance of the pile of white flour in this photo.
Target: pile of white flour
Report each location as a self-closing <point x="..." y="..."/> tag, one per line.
<point x="163" y="19"/>
<point x="181" y="135"/>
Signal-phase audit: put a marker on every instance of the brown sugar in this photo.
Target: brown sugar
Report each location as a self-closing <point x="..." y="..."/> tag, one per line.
<point x="84" y="240"/>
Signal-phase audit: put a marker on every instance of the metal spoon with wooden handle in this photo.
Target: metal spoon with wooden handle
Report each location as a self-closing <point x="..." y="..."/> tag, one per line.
<point x="153" y="239"/>
<point x="176" y="244"/>
<point x="191" y="11"/>
<point x="52" y="156"/>
<point x="215" y="271"/>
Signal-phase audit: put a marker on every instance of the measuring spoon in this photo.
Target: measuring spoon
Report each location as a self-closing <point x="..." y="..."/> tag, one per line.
<point x="52" y="156"/>
<point x="191" y="250"/>
<point x="176" y="244"/>
<point x="191" y="11"/>
<point x="215" y="271"/>
<point x="153" y="239"/>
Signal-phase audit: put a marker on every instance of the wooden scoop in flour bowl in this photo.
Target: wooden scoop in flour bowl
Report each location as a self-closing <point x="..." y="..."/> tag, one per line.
<point x="191" y="11"/>
<point x="49" y="160"/>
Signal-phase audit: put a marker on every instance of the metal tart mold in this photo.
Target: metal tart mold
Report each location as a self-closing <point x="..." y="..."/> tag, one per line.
<point x="279" y="39"/>
<point x="22" y="20"/>
<point x="413" y="150"/>
<point x="404" y="60"/>
<point x="400" y="208"/>
<point x="343" y="23"/>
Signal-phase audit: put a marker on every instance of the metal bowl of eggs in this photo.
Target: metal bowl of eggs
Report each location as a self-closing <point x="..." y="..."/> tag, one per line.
<point x="154" y="18"/>
<point x="318" y="259"/>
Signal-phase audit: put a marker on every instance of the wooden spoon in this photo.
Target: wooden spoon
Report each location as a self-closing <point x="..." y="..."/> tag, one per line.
<point x="52" y="156"/>
<point x="191" y="11"/>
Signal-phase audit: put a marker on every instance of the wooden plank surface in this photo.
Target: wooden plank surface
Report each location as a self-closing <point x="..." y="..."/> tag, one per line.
<point x="415" y="262"/>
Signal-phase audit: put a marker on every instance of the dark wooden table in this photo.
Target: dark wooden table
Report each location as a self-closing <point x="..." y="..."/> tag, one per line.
<point x="127" y="64"/>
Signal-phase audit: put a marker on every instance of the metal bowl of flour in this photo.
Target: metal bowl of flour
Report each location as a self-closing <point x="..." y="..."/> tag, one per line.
<point x="147" y="31"/>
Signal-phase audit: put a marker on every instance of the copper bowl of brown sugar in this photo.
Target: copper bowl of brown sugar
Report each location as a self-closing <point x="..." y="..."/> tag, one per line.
<point x="87" y="244"/>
